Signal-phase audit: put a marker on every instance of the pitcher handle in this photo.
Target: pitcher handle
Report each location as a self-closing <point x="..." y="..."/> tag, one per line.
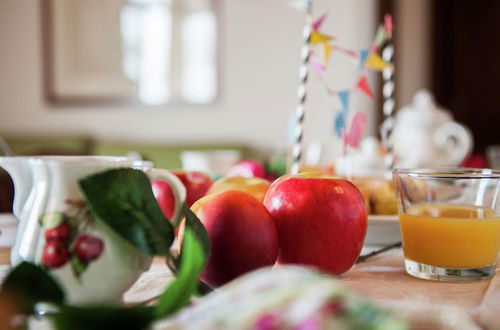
<point x="463" y="142"/>
<point x="178" y="188"/>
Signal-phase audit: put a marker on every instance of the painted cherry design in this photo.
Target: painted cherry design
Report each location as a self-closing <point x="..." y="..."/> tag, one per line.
<point x="55" y="254"/>
<point x="60" y="233"/>
<point x="88" y="248"/>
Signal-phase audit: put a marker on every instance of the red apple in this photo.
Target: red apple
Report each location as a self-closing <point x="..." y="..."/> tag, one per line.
<point x="256" y="187"/>
<point x="247" y="169"/>
<point x="321" y="221"/>
<point x="55" y="254"/>
<point x="165" y="197"/>
<point x="196" y="183"/>
<point x="241" y="232"/>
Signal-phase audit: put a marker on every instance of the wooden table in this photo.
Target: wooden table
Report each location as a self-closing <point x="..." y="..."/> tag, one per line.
<point x="381" y="278"/>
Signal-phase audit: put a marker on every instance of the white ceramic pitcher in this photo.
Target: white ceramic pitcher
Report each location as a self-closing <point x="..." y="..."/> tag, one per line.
<point x="425" y="135"/>
<point x="44" y="185"/>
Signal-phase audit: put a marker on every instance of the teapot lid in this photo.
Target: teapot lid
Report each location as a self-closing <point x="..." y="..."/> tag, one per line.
<point x="424" y="109"/>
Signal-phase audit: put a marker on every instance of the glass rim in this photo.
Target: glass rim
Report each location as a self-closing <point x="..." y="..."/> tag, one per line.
<point x="448" y="173"/>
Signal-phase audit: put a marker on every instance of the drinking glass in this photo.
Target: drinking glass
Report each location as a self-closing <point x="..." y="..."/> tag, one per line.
<point x="450" y="222"/>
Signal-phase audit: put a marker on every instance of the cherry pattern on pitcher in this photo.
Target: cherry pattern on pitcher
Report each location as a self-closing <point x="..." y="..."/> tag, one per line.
<point x="67" y="240"/>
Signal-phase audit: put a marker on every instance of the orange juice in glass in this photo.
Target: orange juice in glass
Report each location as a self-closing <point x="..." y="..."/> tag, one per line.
<point x="450" y="223"/>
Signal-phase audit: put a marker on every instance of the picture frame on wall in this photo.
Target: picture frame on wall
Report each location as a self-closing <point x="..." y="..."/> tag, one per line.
<point x="151" y="52"/>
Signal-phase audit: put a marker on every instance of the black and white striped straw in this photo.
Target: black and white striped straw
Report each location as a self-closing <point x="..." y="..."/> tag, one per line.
<point x="389" y="104"/>
<point x="303" y="75"/>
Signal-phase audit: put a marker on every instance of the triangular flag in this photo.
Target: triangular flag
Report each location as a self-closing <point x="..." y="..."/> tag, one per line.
<point x="380" y="36"/>
<point x="375" y="62"/>
<point x="336" y="104"/>
<point x="363" y="86"/>
<point x="363" y="55"/>
<point x="327" y="51"/>
<point x="355" y="134"/>
<point x="318" y="38"/>
<point x="388" y="26"/>
<point x="317" y="65"/>
<point x="339" y="124"/>
<point x="344" y="99"/>
<point x="316" y="25"/>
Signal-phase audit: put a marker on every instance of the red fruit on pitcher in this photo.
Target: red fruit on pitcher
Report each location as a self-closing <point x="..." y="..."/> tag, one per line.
<point x="88" y="248"/>
<point x="60" y="233"/>
<point x="55" y="254"/>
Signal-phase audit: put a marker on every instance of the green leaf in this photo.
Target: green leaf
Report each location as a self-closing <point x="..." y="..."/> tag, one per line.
<point x="77" y="266"/>
<point x="193" y="223"/>
<point x="124" y="200"/>
<point x="179" y="292"/>
<point x="32" y="284"/>
<point x="103" y="318"/>
<point x="51" y="219"/>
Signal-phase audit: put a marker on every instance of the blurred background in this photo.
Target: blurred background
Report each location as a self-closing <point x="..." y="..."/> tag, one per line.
<point x="159" y="77"/>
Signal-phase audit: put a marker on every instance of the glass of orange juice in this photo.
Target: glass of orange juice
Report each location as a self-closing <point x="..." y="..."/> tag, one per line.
<point x="450" y="222"/>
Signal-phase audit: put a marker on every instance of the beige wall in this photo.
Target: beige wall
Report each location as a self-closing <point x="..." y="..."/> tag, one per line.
<point x="260" y="55"/>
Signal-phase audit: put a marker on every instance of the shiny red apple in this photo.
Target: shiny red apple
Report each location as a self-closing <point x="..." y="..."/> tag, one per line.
<point x="321" y="221"/>
<point x="196" y="183"/>
<point x="242" y="235"/>
<point x="165" y="197"/>
<point x="247" y="169"/>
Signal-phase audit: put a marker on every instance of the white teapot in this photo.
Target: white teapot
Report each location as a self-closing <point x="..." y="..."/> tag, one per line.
<point x="425" y="135"/>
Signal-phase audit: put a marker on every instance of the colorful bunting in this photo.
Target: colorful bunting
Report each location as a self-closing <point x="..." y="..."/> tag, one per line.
<point x="327" y="51"/>
<point x="355" y="134"/>
<point x="316" y="25"/>
<point x="319" y="38"/>
<point x="379" y="39"/>
<point x="317" y="65"/>
<point x="363" y="86"/>
<point x="344" y="99"/>
<point x="339" y="124"/>
<point x="367" y="58"/>
<point x="375" y="62"/>
<point x="388" y="26"/>
<point x="363" y="55"/>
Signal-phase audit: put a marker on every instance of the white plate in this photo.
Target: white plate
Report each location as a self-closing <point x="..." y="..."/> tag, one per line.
<point x="382" y="230"/>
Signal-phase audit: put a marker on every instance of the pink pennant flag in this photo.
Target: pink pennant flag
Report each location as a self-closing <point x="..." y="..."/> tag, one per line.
<point x="317" y="65"/>
<point x="363" y="86"/>
<point x="388" y="25"/>
<point x="316" y="25"/>
<point x="355" y="134"/>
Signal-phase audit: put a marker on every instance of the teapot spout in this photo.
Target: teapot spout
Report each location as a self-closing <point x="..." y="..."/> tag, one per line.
<point x="20" y="172"/>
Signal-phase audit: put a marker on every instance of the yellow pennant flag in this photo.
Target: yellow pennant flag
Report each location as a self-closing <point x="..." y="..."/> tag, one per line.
<point x="375" y="62"/>
<point x="327" y="51"/>
<point x="318" y="38"/>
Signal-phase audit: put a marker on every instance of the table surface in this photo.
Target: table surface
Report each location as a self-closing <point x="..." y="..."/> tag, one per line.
<point x="381" y="278"/>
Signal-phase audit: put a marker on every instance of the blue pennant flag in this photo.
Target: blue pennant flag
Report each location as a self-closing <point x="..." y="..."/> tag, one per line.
<point x="344" y="99"/>
<point x="363" y="55"/>
<point x="339" y="124"/>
